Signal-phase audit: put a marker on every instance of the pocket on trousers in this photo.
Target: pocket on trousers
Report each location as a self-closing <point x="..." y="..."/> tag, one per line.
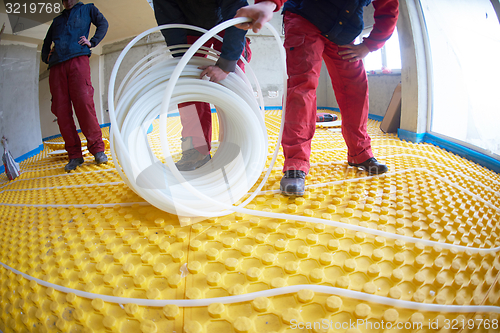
<point x="293" y="41"/>
<point x="90" y="88"/>
<point x="300" y="57"/>
<point x="295" y="51"/>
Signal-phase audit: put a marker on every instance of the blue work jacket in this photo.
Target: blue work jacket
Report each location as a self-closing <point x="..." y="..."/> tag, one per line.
<point x="66" y="30"/>
<point x="341" y="21"/>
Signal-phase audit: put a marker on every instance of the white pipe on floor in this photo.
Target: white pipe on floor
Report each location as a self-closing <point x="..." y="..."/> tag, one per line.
<point x="270" y="293"/>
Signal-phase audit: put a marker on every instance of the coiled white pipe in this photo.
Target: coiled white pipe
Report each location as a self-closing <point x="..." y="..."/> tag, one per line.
<point x="212" y="189"/>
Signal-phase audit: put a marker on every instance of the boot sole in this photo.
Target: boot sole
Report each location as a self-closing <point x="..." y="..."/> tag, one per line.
<point x="69" y="170"/>
<point x="294" y="194"/>
<point x="192" y="167"/>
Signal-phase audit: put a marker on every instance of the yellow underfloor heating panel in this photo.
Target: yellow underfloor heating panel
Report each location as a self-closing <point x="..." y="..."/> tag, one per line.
<point x="409" y="251"/>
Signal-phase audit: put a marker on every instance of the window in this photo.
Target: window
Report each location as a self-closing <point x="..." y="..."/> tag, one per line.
<point x="464" y="41"/>
<point x="385" y="60"/>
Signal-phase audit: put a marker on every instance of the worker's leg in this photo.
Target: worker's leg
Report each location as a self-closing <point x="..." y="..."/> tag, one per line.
<point x="351" y="90"/>
<point x="303" y="49"/>
<point x="82" y="96"/>
<point x="196" y="119"/>
<point x="61" y="108"/>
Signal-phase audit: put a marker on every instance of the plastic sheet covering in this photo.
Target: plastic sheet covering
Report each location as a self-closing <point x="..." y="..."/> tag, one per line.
<point x="11" y="167"/>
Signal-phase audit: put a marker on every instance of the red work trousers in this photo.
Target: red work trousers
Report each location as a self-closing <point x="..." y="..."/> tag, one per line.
<point x="70" y="84"/>
<point x="305" y="48"/>
<point x="196" y="118"/>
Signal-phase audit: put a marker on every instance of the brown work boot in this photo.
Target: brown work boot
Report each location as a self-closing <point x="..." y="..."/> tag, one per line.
<point x="191" y="158"/>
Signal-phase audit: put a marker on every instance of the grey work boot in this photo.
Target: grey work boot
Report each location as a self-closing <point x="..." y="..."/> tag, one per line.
<point x="293" y="183"/>
<point x="73" y="163"/>
<point x="100" y="158"/>
<point x="191" y="158"/>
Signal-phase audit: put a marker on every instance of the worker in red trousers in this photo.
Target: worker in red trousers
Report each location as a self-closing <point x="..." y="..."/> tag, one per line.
<point x="317" y="30"/>
<point x="69" y="78"/>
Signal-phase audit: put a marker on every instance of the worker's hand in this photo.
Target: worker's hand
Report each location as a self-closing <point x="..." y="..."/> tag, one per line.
<point x="50" y="53"/>
<point x="354" y="53"/>
<point x="215" y="73"/>
<point x="84" y="41"/>
<point x="260" y="13"/>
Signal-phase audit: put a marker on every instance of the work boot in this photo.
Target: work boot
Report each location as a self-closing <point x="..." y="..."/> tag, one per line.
<point x="293" y="183"/>
<point x="73" y="163"/>
<point x="100" y="158"/>
<point x="191" y="158"/>
<point x="371" y="166"/>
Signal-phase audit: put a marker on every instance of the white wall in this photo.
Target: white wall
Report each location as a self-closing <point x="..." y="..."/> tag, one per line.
<point x="266" y="61"/>
<point x="19" y="117"/>
<point x="381" y="89"/>
<point x="48" y="121"/>
<point x="96" y="76"/>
